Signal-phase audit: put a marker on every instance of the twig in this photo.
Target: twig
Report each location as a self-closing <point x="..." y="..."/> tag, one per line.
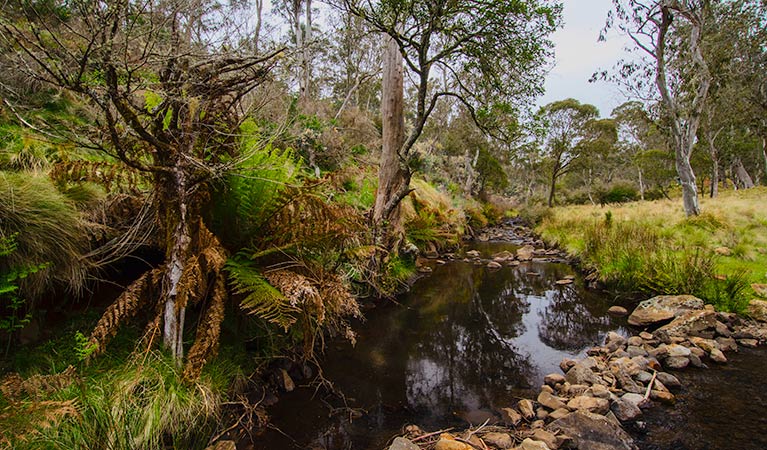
<point x="424" y="436"/>
<point x="649" y="386"/>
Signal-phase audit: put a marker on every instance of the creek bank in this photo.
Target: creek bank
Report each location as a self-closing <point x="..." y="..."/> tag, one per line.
<point x="597" y="400"/>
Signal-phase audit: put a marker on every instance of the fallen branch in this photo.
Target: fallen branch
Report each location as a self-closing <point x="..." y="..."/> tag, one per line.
<point x="649" y="386"/>
<point x="427" y="435"/>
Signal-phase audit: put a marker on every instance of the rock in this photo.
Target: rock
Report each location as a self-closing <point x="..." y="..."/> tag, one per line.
<point x="401" y="443"/>
<point x="566" y="364"/>
<point x="748" y="343"/>
<point x="431" y="254"/>
<point x="478" y="416"/>
<point x="230" y="445"/>
<point x="546" y="437"/>
<point x="695" y="361"/>
<point x="722" y="329"/>
<point x="575" y="390"/>
<point x="690" y="323"/>
<point x="553" y="378"/>
<point x="494" y="265"/>
<point x="472" y="254"/>
<point x="625" y="366"/>
<point x="578" y="374"/>
<point x="635" y="341"/>
<point x="634" y="351"/>
<point x="663" y="308"/>
<point x="564" y="282"/>
<point x="678" y="350"/>
<point x="727" y="344"/>
<point x="598" y="391"/>
<point x="590" y="404"/>
<point x="424" y="269"/>
<point x="448" y="442"/>
<point x="547" y="388"/>
<point x="704" y="344"/>
<point x="699" y="352"/>
<point x="541" y="414"/>
<point x="619" y="311"/>
<point x="593" y="432"/>
<point x="668" y="380"/>
<point x="504" y="255"/>
<point x="525" y="407"/>
<point x="499" y="440"/>
<point x="286" y="382"/>
<point x="537" y="424"/>
<point x="757" y="310"/>
<point x="644" y="377"/>
<point x="525" y="253"/>
<point x="550" y="401"/>
<point x="614" y="341"/>
<point x="676" y="362"/>
<point x="760" y="289"/>
<point x="646" y="336"/>
<point x="662" y="397"/>
<point x="529" y="444"/>
<point x="625" y="410"/>
<point x="558" y="414"/>
<point x="637" y="400"/>
<point x="716" y="355"/>
<point x="440" y="262"/>
<point x="510" y="416"/>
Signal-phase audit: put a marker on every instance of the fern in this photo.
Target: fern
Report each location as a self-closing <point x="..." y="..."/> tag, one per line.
<point x="260" y="297"/>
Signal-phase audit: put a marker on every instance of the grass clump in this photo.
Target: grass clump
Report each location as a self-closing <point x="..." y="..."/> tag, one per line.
<point x="652" y="248"/>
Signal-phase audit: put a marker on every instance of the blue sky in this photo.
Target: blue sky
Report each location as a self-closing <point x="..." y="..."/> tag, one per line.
<point x="579" y="54"/>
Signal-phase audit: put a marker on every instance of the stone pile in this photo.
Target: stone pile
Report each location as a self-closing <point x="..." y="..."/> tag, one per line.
<point x="591" y="403"/>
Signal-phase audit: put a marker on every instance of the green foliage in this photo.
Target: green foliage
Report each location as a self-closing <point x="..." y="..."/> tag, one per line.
<point x="619" y="193"/>
<point x="258" y="296"/>
<point x="83" y="347"/>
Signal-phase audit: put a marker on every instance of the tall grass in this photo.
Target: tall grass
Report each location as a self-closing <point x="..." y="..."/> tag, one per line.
<point x="651" y="248"/>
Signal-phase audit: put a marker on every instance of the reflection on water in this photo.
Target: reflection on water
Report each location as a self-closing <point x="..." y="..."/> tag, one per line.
<point x="464" y="339"/>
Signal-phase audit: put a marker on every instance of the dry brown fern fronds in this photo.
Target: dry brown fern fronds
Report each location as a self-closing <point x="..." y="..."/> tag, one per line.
<point x="127" y="305"/>
<point x="13" y="386"/>
<point x="208" y="331"/>
<point x="298" y="289"/>
<point x="113" y="176"/>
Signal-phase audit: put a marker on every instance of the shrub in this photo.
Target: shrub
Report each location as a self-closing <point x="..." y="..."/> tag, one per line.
<point x="620" y="193"/>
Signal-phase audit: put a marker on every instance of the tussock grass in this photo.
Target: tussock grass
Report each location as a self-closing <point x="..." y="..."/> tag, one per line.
<point x="651" y="247"/>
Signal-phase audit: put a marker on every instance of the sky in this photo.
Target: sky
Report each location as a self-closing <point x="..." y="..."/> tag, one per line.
<point x="579" y="55"/>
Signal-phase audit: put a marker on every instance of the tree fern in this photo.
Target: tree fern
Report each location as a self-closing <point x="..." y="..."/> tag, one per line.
<point x="259" y="297"/>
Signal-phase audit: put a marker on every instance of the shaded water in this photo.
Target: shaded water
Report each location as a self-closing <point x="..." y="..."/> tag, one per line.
<point x="464" y="339"/>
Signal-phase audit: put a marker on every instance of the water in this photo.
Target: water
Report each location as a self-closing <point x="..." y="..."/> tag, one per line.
<point x="466" y="340"/>
<point x="463" y="340"/>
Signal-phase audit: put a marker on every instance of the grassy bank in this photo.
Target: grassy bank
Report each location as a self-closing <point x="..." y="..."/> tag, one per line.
<point x="651" y="247"/>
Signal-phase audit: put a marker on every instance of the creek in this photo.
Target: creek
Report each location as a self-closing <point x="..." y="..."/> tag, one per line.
<point x="467" y="340"/>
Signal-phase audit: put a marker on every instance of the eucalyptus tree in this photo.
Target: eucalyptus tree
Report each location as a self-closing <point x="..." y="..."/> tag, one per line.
<point x="666" y="31"/>
<point x="564" y="126"/>
<point x="166" y="82"/>
<point x="492" y="56"/>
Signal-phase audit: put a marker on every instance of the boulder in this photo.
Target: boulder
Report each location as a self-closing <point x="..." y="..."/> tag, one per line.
<point x="578" y="374"/>
<point x="550" y="401"/>
<point x="663" y="308"/>
<point x="757" y="309"/>
<point x="401" y="443"/>
<point x="690" y="323"/>
<point x="625" y="410"/>
<point x="593" y="432"/>
<point x="499" y="440"/>
<point x="525" y="253"/>
<point x="619" y="311"/>
<point x="590" y="404"/>
<point x="727" y="344"/>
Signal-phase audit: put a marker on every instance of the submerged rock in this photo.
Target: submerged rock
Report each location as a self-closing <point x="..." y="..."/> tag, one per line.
<point x="525" y="253"/>
<point x="401" y="443"/>
<point x="593" y="432"/>
<point x="663" y="308"/>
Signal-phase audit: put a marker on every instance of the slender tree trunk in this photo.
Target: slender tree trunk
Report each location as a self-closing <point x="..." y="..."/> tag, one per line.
<point x="306" y="68"/>
<point x="641" y="184"/>
<point x="552" y="188"/>
<point x="714" y="176"/>
<point x="259" y="23"/>
<point x="745" y="179"/>
<point x="763" y="143"/>
<point x="393" y="174"/>
<point x="470" y="164"/>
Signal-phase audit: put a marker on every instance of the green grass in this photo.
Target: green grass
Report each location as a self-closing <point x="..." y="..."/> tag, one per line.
<point x="652" y="248"/>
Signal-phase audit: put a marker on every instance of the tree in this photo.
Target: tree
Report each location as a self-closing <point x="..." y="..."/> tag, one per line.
<point x="672" y="31"/>
<point x="500" y="46"/>
<point x="166" y="92"/>
<point x="564" y="123"/>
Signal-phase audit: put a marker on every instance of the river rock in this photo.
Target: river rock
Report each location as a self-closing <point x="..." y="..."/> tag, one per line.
<point x="590" y="404"/>
<point x="637" y="400"/>
<point x="563" y="282"/>
<point x="716" y="355"/>
<point x="704" y="344"/>
<point x="678" y="350"/>
<point x="619" y="311"/>
<point x="494" y="265"/>
<point x="550" y="401"/>
<point x="472" y="254"/>
<point x="503" y="256"/>
<point x="644" y="377"/>
<point x="529" y="444"/>
<point x="578" y="374"/>
<point x="525" y="407"/>
<point x="690" y="323"/>
<point x="510" y="416"/>
<point x="598" y="391"/>
<point x="669" y="380"/>
<point x="448" y="442"/>
<point x="614" y="341"/>
<point x="699" y="352"/>
<point x="635" y="341"/>
<point x="757" y="309"/>
<point x="558" y="414"/>
<point x="593" y="432"/>
<point x="625" y="366"/>
<point x="625" y="411"/>
<point x="676" y="362"/>
<point x="553" y="379"/>
<point x="286" y="382"/>
<point x="546" y="437"/>
<point x="525" y="253"/>
<point x="499" y="440"/>
<point x="566" y="364"/>
<point x="748" y="343"/>
<point x="634" y="351"/>
<point x="664" y="397"/>
<point x="401" y="443"/>
<point x="721" y="329"/>
<point x="727" y="344"/>
<point x="663" y="308"/>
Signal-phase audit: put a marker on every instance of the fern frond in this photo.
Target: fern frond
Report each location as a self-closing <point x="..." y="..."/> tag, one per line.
<point x="260" y="298"/>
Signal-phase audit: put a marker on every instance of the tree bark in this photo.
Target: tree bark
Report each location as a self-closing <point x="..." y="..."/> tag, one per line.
<point x="552" y="189"/>
<point x="641" y="183"/>
<point x="745" y="179"/>
<point x="393" y="173"/>
<point x="471" y="164"/>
